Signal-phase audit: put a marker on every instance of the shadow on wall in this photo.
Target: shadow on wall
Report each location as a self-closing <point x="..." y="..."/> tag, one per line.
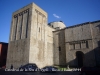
<point x="85" y="60"/>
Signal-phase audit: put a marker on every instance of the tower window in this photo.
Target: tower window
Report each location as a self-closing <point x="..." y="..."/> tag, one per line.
<point x="59" y="48"/>
<point x="39" y="29"/>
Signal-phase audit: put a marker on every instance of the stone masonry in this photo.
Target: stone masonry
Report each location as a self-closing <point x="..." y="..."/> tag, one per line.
<point x="32" y="40"/>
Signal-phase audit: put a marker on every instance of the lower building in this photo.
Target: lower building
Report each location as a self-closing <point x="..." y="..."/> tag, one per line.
<point x="78" y="45"/>
<point x="3" y="53"/>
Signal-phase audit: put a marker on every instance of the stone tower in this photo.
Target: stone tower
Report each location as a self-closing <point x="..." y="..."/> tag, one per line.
<point x="29" y="41"/>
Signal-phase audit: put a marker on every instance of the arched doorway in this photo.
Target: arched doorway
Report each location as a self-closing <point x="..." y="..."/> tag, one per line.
<point x="79" y="57"/>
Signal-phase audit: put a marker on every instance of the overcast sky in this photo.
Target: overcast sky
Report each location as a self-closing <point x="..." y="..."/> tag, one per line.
<point x="71" y="12"/>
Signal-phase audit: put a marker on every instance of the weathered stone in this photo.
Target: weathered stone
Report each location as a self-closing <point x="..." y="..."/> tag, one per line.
<point x="33" y="41"/>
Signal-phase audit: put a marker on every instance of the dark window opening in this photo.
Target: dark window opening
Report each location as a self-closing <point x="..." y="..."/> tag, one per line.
<point x="87" y="46"/>
<point x="80" y="45"/>
<point x="59" y="48"/>
<point x="73" y="46"/>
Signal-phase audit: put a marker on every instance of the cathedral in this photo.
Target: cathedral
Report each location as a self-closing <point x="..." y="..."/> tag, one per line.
<point x="34" y="40"/>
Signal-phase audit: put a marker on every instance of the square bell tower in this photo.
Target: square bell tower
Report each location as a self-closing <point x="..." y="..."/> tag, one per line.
<point x="27" y="37"/>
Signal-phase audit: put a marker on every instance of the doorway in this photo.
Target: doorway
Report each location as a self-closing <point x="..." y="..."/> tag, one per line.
<point x="79" y="57"/>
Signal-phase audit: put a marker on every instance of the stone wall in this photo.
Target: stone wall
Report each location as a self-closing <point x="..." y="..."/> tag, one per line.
<point x="18" y="53"/>
<point x="49" y="46"/>
<point x="78" y="33"/>
<point x="18" y="48"/>
<point x="41" y="39"/>
<point x="59" y="48"/>
<point x="33" y="41"/>
<point x="79" y="38"/>
<point x="37" y="37"/>
<point x="95" y="29"/>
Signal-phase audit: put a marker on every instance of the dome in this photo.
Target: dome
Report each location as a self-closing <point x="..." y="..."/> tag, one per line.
<point x="57" y="25"/>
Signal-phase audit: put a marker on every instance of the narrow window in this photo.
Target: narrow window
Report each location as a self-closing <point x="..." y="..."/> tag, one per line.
<point x="39" y="29"/>
<point x="73" y="46"/>
<point x="87" y="46"/>
<point x="80" y="45"/>
<point x="59" y="48"/>
<point x="21" y="25"/>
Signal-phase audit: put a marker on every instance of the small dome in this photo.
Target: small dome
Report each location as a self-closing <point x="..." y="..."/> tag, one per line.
<point x="58" y="25"/>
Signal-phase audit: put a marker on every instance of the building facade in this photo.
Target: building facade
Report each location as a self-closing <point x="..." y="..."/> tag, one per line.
<point x="32" y="40"/>
<point x="80" y="44"/>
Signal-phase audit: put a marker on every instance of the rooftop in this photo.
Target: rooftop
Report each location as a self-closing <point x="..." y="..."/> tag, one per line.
<point x="79" y="25"/>
<point x="82" y="24"/>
